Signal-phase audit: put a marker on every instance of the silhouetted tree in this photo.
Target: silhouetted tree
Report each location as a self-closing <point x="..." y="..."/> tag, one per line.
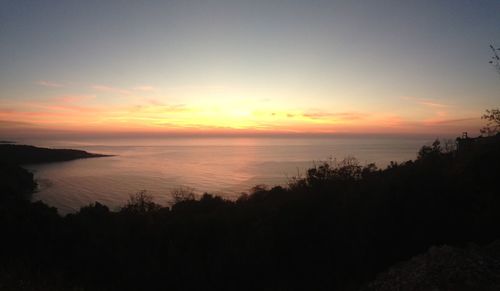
<point x="369" y="169"/>
<point x="430" y="151"/>
<point x="492" y="117"/>
<point x="495" y="59"/>
<point x="141" y="202"/>
<point x="449" y="146"/>
<point x="182" y="194"/>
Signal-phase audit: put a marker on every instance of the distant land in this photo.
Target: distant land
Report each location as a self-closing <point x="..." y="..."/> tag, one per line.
<point x="6" y="142"/>
<point x="26" y="154"/>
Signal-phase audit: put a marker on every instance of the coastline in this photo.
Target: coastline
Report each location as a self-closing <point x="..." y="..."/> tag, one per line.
<point x="26" y="154"/>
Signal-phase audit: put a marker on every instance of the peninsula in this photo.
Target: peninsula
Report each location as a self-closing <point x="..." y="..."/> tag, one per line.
<point x="27" y="154"/>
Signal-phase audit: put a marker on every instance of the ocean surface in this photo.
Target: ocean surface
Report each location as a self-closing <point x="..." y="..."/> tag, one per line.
<point x="222" y="166"/>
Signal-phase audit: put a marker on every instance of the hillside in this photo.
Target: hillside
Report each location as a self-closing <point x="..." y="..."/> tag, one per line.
<point x="445" y="268"/>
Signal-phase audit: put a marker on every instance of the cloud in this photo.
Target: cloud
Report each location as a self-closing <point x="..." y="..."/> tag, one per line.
<point x="317" y="115"/>
<point x="449" y="121"/>
<point x="432" y="104"/>
<point x="336" y="115"/>
<point x="158" y="108"/>
<point x="62" y="104"/>
<point x="74" y="98"/>
<point x="11" y="124"/>
<point x="145" y="88"/>
<point x="156" y="102"/>
<point x="80" y="109"/>
<point x="49" y="84"/>
<point x="174" y="108"/>
<point x="426" y="102"/>
<point x="110" y="89"/>
<point x="390" y="121"/>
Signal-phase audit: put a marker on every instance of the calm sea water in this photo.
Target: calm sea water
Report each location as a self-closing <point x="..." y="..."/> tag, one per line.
<point x="223" y="166"/>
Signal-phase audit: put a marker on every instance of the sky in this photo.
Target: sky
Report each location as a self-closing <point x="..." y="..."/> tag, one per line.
<point x="246" y="67"/>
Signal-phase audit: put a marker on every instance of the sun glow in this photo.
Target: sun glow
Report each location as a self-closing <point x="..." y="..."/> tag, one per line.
<point x="219" y="109"/>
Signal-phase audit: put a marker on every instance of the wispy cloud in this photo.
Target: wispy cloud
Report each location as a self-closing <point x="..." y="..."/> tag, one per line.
<point x="426" y="102"/>
<point x="335" y="115"/>
<point x="156" y="102"/>
<point x="145" y="88"/>
<point x="452" y="121"/>
<point x="49" y="84"/>
<point x="80" y="109"/>
<point x="316" y="115"/>
<point x="68" y="106"/>
<point x="159" y="108"/>
<point x="110" y="89"/>
<point x="432" y="104"/>
<point x="390" y="120"/>
<point x="74" y="98"/>
<point x="11" y="124"/>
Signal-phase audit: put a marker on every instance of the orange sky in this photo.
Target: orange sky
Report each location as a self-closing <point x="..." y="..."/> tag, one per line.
<point x="247" y="67"/>
<point x="142" y="109"/>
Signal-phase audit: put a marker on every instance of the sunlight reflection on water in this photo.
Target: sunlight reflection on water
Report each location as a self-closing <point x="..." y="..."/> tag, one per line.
<point x="224" y="166"/>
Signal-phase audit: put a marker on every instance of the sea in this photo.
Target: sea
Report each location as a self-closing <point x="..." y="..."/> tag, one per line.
<point x="224" y="166"/>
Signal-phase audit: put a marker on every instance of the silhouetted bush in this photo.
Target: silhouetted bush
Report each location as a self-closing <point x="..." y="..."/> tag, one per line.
<point x="15" y="181"/>
<point x="182" y="194"/>
<point x="141" y="202"/>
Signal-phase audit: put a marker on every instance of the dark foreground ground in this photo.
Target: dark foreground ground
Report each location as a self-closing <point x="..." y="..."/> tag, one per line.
<point x="428" y="224"/>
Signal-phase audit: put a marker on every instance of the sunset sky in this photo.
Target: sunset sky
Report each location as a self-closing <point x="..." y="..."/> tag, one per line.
<point x="238" y="67"/>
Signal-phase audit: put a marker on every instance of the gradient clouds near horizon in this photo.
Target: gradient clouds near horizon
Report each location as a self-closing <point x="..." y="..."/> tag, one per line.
<point x="253" y="67"/>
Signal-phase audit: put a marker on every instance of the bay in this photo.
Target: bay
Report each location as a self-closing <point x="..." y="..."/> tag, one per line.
<point x="221" y="166"/>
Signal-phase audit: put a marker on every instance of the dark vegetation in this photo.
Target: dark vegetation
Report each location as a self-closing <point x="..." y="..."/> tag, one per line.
<point x="492" y="117"/>
<point x="495" y="59"/>
<point x="336" y="228"/>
